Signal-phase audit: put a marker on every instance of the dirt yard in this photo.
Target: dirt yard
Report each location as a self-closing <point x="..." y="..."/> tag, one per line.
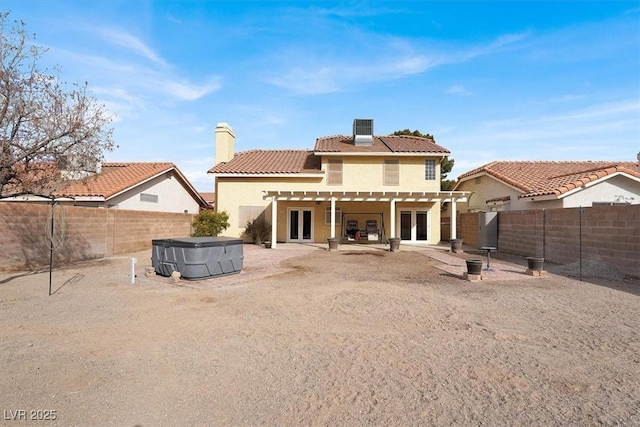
<point x="329" y="338"/>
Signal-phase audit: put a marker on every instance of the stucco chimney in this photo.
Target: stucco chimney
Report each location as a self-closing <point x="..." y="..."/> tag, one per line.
<point x="225" y="141"/>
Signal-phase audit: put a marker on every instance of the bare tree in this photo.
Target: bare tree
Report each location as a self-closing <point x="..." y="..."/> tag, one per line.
<point x="46" y="125"/>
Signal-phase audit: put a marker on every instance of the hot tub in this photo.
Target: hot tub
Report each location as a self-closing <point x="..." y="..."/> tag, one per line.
<point x="197" y="257"/>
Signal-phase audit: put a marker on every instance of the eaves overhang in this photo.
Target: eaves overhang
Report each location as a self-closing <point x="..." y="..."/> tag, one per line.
<point x="267" y="175"/>
<point x="379" y="154"/>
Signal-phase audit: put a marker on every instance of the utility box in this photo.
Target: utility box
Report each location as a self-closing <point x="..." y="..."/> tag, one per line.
<point x="197" y="257"/>
<point x="488" y="229"/>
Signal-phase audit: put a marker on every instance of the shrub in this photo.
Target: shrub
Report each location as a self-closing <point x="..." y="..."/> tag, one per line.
<point x="210" y="223"/>
<point x="258" y="230"/>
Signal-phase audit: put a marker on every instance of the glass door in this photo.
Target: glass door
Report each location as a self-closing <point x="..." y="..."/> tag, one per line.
<point x="414" y="225"/>
<point x="300" y="227"/>
<point x="422" y="225"/>
<point x="405" y="225"/>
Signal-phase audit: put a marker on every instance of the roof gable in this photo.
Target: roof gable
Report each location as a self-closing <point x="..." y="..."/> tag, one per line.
<point x="538" y="178"/>
<point x="270" y="162"/>
<point x="113" y="179"/>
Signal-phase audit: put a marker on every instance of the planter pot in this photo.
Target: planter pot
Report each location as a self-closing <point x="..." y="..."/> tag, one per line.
<point x="394" y="244"/>
<point x="333" y="243"/>
<point x="456" y="245"/>
<point x="267" y="245"/>
<point x="474" y="266"/>
<point x="535" y="264"/>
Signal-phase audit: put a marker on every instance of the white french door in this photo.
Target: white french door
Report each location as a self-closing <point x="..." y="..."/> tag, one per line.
<point x="414" y="225"/>
<point x="300" y="225"/>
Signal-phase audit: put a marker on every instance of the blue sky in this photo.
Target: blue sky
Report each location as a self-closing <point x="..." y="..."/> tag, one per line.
<point x="499" y="80"/>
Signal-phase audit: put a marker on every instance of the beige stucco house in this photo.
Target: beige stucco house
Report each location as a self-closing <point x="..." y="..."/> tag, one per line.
<point x="358" y="188"/>
<point x="521" y="185"/>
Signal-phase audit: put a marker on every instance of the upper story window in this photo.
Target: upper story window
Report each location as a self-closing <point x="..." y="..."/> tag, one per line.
<point x="391" y="174"/>
<point x="151" y="198"/>
<point x="430" y="170"/>
<point x="334" y="172"/>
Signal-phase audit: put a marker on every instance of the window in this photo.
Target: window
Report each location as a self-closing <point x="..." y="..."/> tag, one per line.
<point x="151" y="198"/>
<point x="430" y="170"/>
<point x="391" y="172"/>
<point x="334" y="172"/>
<point x="248" y="213"/>
<point x="327" y="215"/>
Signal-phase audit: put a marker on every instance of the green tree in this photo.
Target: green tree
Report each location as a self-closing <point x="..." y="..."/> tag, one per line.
<point x="210" y="223"/>
<point x="446" y="164"/>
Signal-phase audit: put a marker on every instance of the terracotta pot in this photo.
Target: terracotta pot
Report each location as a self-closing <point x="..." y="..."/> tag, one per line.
<point x="535" y="264"/>
<point x="474" y="266"/>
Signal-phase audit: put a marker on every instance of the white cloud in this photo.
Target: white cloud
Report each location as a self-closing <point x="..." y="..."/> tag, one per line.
<point x="598" y="132"/>
<point x="189" y="91"/>
<point x="130" y="42"/>
<point x="458" y="90"/>
<point x="380" y="58"/>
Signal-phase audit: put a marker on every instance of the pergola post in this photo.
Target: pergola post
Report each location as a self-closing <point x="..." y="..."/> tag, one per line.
<point x="274" y="222"/>
<point x="453" y="218"/>
<point x="392" y="218"/>
<point x="333" y="217"/>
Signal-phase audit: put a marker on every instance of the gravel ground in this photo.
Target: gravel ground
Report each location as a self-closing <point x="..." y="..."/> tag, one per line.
<point x="309" y="337"/>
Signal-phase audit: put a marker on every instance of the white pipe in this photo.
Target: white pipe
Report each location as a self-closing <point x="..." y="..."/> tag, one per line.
<point x="133" y="270"/>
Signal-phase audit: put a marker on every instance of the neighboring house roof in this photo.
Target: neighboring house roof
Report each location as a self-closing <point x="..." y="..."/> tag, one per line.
<point x="539" y="178"/>
<point x="115" y="178"/>
<point x="209" y="197"/>
<point x="270" y="162"/>
<point x="381" y="144"/>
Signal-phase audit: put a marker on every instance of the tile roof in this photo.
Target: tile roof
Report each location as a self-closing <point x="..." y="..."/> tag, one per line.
<point x="381" y="144"/>
<point x="270" y="162"/>
<point x="209" y="197"/>
<point x="538" y="178"/>
<point x="39" y="178"/>
<point x="113" y="179"/>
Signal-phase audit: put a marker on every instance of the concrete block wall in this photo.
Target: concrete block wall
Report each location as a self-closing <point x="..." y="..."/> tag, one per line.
<point x="79" y="233"/>
<point x="563" y="236"/>
<point x="521" y="232"/>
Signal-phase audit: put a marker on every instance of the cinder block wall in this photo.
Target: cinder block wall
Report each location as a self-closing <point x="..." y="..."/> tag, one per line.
<point x="562" y="235"/>
<point x="521" y="232"/>
<point x="79" y="233"/>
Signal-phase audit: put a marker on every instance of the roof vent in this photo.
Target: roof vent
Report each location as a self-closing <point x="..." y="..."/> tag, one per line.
<point x="363" y="131"/>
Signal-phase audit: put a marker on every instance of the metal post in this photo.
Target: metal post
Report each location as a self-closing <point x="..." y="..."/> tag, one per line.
<point x="580" y="245"/>
<point x="544" y="232"/>
<point x="53" y="203"/>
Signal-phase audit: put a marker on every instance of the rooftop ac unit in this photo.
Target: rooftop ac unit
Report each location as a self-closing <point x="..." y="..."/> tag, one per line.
<point x="363" y="131"/>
